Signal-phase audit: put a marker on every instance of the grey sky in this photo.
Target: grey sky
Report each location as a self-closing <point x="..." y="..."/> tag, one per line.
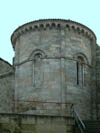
<point x="14" y="13"/>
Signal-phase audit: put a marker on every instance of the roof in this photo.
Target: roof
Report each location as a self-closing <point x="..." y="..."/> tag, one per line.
<point x="6" y="62"/>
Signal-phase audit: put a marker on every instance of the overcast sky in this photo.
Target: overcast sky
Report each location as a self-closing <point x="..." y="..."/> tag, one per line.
<point x="14" y="13"/>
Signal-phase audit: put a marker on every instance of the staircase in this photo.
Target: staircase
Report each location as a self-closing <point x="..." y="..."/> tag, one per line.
<point x="87" y="126"/>
<point x="92" y="126"/>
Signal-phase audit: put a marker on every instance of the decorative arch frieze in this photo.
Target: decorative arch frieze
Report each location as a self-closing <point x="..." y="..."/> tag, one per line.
<point x="52" y="24"/>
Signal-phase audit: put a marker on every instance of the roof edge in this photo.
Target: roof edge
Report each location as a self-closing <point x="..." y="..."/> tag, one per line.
<point x="41" y="22"/>
<point x="6" y="62"/>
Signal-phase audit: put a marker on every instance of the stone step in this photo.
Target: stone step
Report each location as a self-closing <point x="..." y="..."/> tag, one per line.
<point x="91" y="127"/>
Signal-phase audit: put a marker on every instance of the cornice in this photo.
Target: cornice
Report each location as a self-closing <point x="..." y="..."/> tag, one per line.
<point x="44" y="24"/>
<point x="66" y="58"/>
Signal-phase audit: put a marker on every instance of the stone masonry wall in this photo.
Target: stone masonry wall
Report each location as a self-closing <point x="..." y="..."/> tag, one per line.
<point x="15" y="123"/>
<point x="56" y="65"/>
<point x="46" y="71"/>
<point x="6" y="87"/>
<point x="98" y="81"/>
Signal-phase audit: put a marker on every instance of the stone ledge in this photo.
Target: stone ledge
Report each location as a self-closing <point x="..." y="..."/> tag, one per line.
<point x="6" y="74"/>
<point x="15" y="115"/>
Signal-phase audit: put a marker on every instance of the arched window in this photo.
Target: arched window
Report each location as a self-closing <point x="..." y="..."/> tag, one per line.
<point x="80" y="71"/>
<point x="81" y="62"/>
<point x="38" y="77"/>
<point x="37" y="57"/>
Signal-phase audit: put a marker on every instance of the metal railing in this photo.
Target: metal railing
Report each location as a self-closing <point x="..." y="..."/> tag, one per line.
<point x="78" y="119"/>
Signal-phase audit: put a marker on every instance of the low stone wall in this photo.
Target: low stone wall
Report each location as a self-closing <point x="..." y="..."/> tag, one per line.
<point x="21" y="123"/>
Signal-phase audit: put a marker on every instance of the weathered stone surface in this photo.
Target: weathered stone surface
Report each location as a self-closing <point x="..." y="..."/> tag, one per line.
<point x="34" y="124"/>
<point x="57" y="64"/>
<point x="46" y="71"/>
<point x="6" y="87"/>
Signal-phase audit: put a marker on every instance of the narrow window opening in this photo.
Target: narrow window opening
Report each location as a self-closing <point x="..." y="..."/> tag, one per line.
<point x="37" y="70"/>
<point x="83" y="74"/>
<point x="77" y="73"/>
<point x="80" y="71"/>
<point x="38" y="56"/>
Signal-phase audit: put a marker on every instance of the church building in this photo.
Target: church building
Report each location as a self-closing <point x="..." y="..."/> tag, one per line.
<point x="53" y="85"/>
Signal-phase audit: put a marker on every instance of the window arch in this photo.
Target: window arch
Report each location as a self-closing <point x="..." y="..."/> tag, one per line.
<point x="37" y="52"/>
<point x="82" y="57"/>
